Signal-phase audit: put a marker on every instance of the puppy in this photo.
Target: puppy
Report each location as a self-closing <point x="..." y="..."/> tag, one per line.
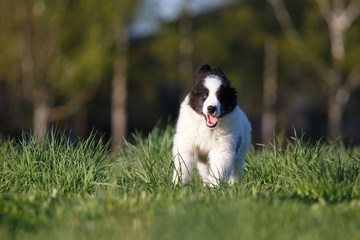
<point x="212" y="133"/>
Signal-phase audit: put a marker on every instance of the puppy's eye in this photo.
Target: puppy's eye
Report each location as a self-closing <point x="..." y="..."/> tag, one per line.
<point x="204" y="96"/>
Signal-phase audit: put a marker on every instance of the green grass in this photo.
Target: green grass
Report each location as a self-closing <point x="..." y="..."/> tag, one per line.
<point x="77" y="190"/>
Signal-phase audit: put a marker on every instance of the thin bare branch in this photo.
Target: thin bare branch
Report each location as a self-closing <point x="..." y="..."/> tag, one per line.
<point x="284" y="19"/>
<point x="350" y="14"/>
<point x="338" y="19"/>
<point x="353" y="80"/>
<point x="72" y="106"/>
<point x="344" y="16"/>
<point x="324" y="9"/>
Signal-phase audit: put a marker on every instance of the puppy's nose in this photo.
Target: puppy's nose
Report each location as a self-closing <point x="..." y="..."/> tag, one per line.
<point x="211" y="109"/>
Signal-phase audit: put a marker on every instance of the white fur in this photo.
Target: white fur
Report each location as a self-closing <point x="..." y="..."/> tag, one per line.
<point x="194" y="139"/>
<point x="212" y="83"/>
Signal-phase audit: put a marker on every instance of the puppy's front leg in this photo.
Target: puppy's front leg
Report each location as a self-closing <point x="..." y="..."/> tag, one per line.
<point x="183" y="163"/>
<point x="221" y="166"/>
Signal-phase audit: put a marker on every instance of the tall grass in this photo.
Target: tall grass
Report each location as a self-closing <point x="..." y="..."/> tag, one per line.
<point x="78" y="190"/>
<point x="55" y="165"/>
<point x="146" y="164"/>
<point x="316" y="172"/>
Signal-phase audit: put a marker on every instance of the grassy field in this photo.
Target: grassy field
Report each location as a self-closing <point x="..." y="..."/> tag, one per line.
<point x="78" y="190"/>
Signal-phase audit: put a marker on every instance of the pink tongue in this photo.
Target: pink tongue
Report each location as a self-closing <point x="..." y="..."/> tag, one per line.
<point x="211" y="120"/>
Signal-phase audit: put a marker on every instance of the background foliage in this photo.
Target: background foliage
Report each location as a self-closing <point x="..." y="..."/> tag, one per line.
<point x="71" y="49"/>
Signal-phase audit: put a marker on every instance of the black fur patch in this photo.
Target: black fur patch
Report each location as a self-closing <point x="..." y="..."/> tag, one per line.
<point x="228" y="99"/>
<point x="197" y="97"/>
<point x="226" y="94"/>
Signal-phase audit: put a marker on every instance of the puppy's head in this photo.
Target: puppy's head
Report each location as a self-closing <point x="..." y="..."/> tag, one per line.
<point x="212" y="96"/>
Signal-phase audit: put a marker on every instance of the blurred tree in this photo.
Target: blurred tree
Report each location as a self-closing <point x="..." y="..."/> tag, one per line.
<point x="57" y="66"/>
<point x="268" y="119"/>
<point x="119" y="14"/>
<point x="186" y="48"/>
<point x="58" y="52"/>
<point x="340" y="75"/>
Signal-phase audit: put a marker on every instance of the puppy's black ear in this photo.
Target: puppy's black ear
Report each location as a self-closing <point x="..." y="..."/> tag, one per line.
<point x="202" y="72"/>
<point x="204" y="68"/>
<point x="218" y="71"/>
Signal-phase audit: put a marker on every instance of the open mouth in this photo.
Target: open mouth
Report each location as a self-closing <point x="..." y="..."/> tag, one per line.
<point x="211" y="121"/>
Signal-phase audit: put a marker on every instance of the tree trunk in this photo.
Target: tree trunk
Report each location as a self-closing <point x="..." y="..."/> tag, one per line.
<point x="186" y="47"/>
<point x="336" y="107"/>
<point x="268" y="120"/>
<point x="40" y="119"/>
<point x="119" y="92"/>
<point x="339" y="18"/>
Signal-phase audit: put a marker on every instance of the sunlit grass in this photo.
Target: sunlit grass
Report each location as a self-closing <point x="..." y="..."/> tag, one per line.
<point x="57" y="164"/>
<point x="62" y="189"/>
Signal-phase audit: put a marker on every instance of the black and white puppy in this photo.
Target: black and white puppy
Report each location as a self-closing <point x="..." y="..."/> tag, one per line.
<point x="212" y="132"/>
